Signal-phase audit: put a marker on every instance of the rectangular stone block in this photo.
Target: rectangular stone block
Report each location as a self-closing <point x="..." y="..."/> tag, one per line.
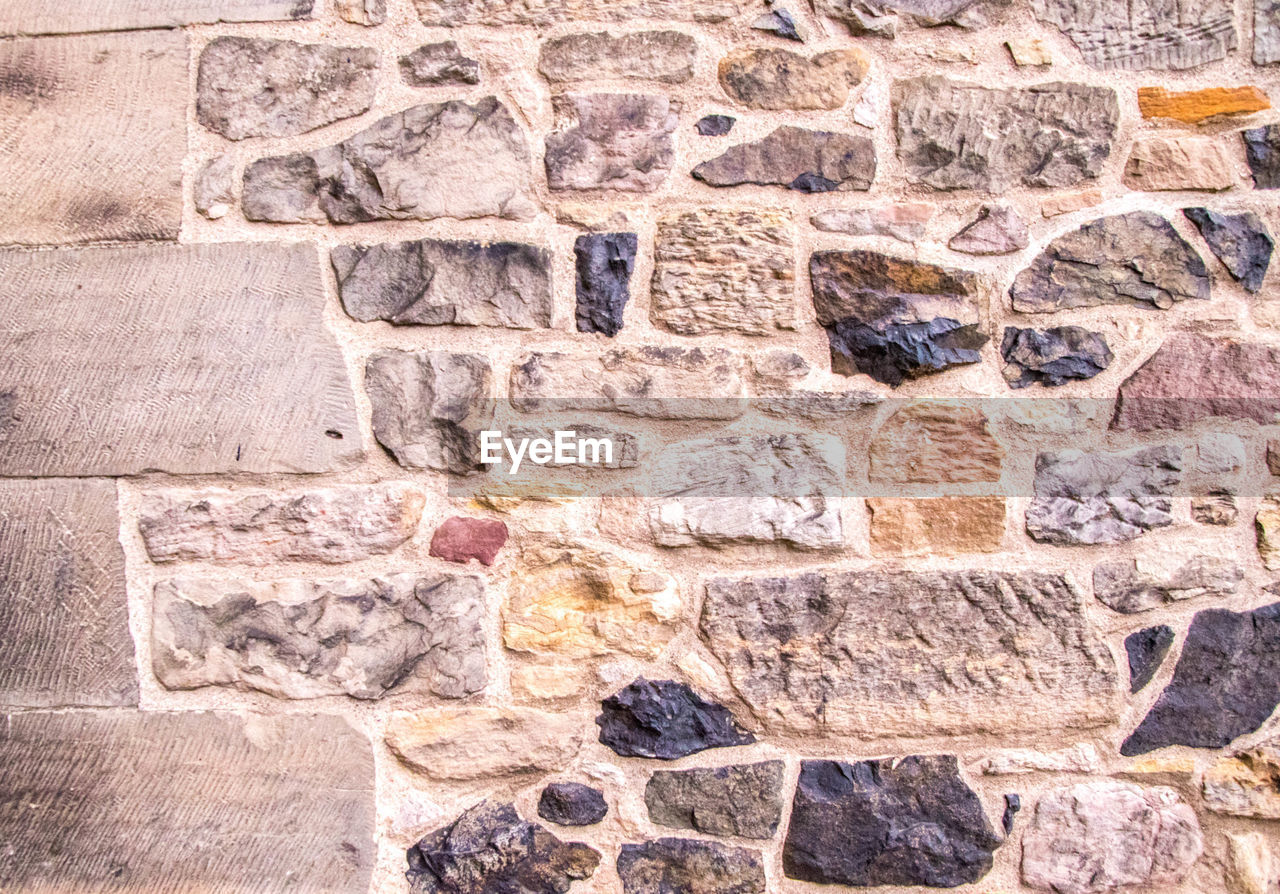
<point x="142" y="803"/>
<point x="451" y="13"/>
<point x="184" y="358"/>
<point x="93" y="130"/>
<point x="64" y="612"/>
<point x="70" y="16"/>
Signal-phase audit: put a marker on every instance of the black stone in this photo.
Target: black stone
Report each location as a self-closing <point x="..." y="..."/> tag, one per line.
<point x="605" y="262"/>
<point x="1226" y="683"/>
<point x="778" y="22"/>
<point x="1240" y="241"/>
<point x="685" y="866"/>
<point x="1262" y="152"/>
<point x="491" y="850"/>
<point x="572" y="804"/>
<point x="715" y="125"/>
<point x="1147" y="649"/>
<point x="1052" y="356"/>
<point x="900" y="351"/>
<point x="1012" y="804"/>
<point x="880" y="822"/>
<point x="666" y="720"/>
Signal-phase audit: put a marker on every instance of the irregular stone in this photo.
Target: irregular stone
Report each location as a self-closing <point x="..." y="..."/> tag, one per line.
<point x="546" y="682"/>
<point x="1266" y="526"/>
<point x="839" y="652"/>
<point x="572" y="804"/>
<point x="1134" y="258"/>
<point x="604" y="264"/>
<point x="362" y="12"/>
<point x="186" y="800"/>
<point x="1216" y="508"/>
<point x="1225" y="684"/>
<point x="1081" y="758"/>
<point x="1055" y="205"/>
<point x="780" y="79"/>
<point x="779" y="22"/>
<point x="926" y="527"/>
<point x="1179" y="163"/>
<point x="956" y="135"/>
<point x="1262" y="152"/>
<point x="247" y="87"/>
<point x="780" y="370"/>
<point x="743" y="799"/>
<point x="1192" y="377"/>
<point x="1246" y="783"/>
<point x="1251" y="867"/>
<point x="1012" y="805"/>
<point x="997" y="230"/>
<point x="190" y="375"/>
<point x="684" y="864"/>
<point x="1219" y="454"/>
<point x="618" y="141"/>
<point x="490" y="849"/>
<point x="663" y="56"/>
<point x="935" y="442"/>
<point x="428" y="407"/>
<point x="715" y="125"/>
<point x="214" y="189"/>
<point x="1240" y="241"/>
<point x="880" y="17"/>
<point x="462" y="539"/>
<point x="1029" y="51"/>
<point x="479" y="742"/>
<point x="905" y="222"/>
<point x="434" y="160"/>
<point x="911" y="821"/>
<point x="437" y="283"/>
<point x="1199" y="106"/>
<point x="75" y="16"/>
<point x="1099" y="836"/>
<point x="795" y="158"/>
<point x="1266" y="32"/>
<point x="1146" y="650"/>
<point x="438" y="65"/>
<point x="1145" y="35"/>
<point x="722" y="270"/>
<point x="1125" y="586"/>
<point x="94" y="135"/>
<point x="63" y="603"/>
<point x="452" y="13"/>
<point x="665" y="720"/>
<point x="1052" y="357"/>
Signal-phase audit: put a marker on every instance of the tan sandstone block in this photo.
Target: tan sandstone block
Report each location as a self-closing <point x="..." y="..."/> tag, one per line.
<point x="935" y="442"/>
<point x="940" y="525"/>
<point x="70" y="16"/>
<point x="483" y="742"/>
<point x="1246" y="783"/>
<point x="1165" y="163"/>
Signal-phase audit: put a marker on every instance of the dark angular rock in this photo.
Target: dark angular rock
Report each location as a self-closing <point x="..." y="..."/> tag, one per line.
<point x="1012" y="804"/>
<point x="605" y="262"/>
<point x="778" y="22"/>
<point x="1146" y="650"/>
<point x="1135" y="258"/>
<point x="1240" y="241"/>
<point x="1052" y="356"/>
<point x="881" y="822"/>
<point x="743" y="800"/>
<point x="697" y="867"/>
<point x="1262" y="152"/>
<point x="1225" y="684"/>
<point x="715" y="125"/>
<point x="490" y="850"/>
<point x="572" y="804"/>
<point x="798" y="159"/>
<point x="666" y="720"/>
<point x="902" y="351"/>
<point x="997" y="230"/>
<point x="463" y="539"/>
<point x="437" y="65"/>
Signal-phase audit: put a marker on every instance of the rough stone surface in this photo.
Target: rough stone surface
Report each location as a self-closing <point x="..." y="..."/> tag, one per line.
<point x="1225" y="684"/>
<point x="665" y="720"/>
<point x="1126" y="586"/>
<point x="1266" y="526"/>
<point x="795" y="158"/>
<point x="1082" y="758"/>
<point x="1251" y="868"/>
<point x="93" y="135"/>
<point x="261" y="527"/>
<point x="780" y="79"/>
<point x="881" y="17"/>
<point x="428" y="406"/>
<point x="188" y="375"/>
<point x="687" y="865"/>
<point x="437" y="283"/>
<point x="616" y="141"/>
<point x="1149" y="34"/>
<point x="572" y="804"/>
<point x="1179" y="163"/>
<point x="906" y="222"/>
<point x="604" y="263"/>
<point x="484" y="742"/>
<point x="742" y="799"/>
<point x="1266" y="32"/>
<point x="1029" y="52"/>
<point x="912" y="821"/>
<point x="1087" y="498"/>
<point x="438" y="65"/>
<point x="1246" y="783"/>
<point x="185" y="800"/>
<point x="463" y="539"/>
<point x="936" y="525"/>
<point x="247" y="87"/>
<point x="997" y="230"/>
<point x="1198" y="106"/>
<point x="1262" y="152"/>
<point x="779" y="22"/>
<point x="1052" y="357"/>
<point x="839" y="652"/>
<point x="214" y="187"/>
<point x="362" y="12"/>
<point x="1146" y="650"/>
<point x="956" y="135"/>
<point x="663" y="56"/>
<point x="935" y="442"/>
<point x="1240" y="241"/>
<point x="73" y="16"/>
<point x="719" y="270"/>
<point x="1215" y="508"/>
<point x="452" y="13"/>
<point x="489" y="849"/>
<point x="63" y="604"/>
<point x="715" y="125"/>
<point x="1135" y="258"/>
<point x="450" y="159"/>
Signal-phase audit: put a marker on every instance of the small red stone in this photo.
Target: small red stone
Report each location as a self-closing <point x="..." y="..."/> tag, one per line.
<point x="461" y="539"/>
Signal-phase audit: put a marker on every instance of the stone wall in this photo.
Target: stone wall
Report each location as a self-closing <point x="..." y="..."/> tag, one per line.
<point x="938" y="345"/>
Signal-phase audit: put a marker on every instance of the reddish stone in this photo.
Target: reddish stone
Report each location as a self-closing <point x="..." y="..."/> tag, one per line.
<point x="461" y="539"/>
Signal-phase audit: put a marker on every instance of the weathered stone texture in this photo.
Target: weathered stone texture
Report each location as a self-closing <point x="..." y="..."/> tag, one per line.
<point x="362" y="12"/>
<point x="683" y="864"/>
<point x="572" y="804"/>
<point x="170" y="358"/>
<point x="906" y="222"/>
<point x="839" y="652"/>
<point x="664" y="56"/>
<point x="1146" y="650"/>
<point x="715" y="125"/>
<point x="1179" y="163"/>
<point x="1262" y="152"/>
<point x="1052" y="357"/>
<point x="665" y="720"/>
<point x="881" y="17"/>
<point x="1240" y="241"/>
<point x="935" y="442"/>
<point x="483" y="742"/>
<point x="997" y="230"/>
<point x="452" y="13"/>
<point x="1266" y="525"/>
<point x="438" y="65"/>
<point x="1197" y="106"/>
<point x="1081" y="758"/>
<point x="214" y="187"/>
<point x="1246" y="783"/>
<point x="1147" y="34"/>
<point x="797" y="159"/>
<point x="616" y="141"/>
<point x="71" y="16"/>
<point x="185" y="801"/>
<point x="603" y="265"/>
<point x="1126" y="586"/>
<point x="743" y="799"/>
<point x="1089" y="498"/>
<point x="461" y="539"/>
<point x="781" y="79"/>
<point x="1266" y="32"/>
<point x="779" y="22"/>
<point x="936" y="525"/>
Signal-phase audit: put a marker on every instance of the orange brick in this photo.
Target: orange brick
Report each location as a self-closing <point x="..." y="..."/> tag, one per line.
<point x="1196" y="106"/>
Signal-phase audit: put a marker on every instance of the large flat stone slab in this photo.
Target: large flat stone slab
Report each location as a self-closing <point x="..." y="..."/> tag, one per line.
<point x="141" y="802"/>
<point x="64" y="613"/>
<point x="93" y="130"/>
<point x="451" y="13"/>
<point x="185" y="358"/>
<point x="70" y="16"/>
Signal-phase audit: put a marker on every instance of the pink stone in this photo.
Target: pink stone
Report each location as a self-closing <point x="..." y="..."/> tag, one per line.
<point x="461" y="539"/>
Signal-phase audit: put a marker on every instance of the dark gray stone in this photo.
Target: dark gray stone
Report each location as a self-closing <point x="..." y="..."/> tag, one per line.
<point x="1146" y="650"/>
<point x="880" y="18"/>
<point x="779" y="22"/>
<point x="997" y="230"/>
<point x="438" y="65"/>
<point x="669" y="865"/>
<point x="1012" y="804"/>
<point x="1240" y="241"/>
<point x="1226" y="683"/>
<point x="572" y="804"/>
<point x="1262" y="152"/>
<point x="798" y="159"/>
<point x="1052" y="356"/>
<point x="489" y="849"/>
<point x="1124" y="587"/>
<point x="605" y="262"/>
<point x="743" y="800"/>
<point x="1144" y="34"/>
<point x="666" y="720"/>
<point x="903" y="351"/>
<point x="912" y="821"/>
<point x="715" y="125"/>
